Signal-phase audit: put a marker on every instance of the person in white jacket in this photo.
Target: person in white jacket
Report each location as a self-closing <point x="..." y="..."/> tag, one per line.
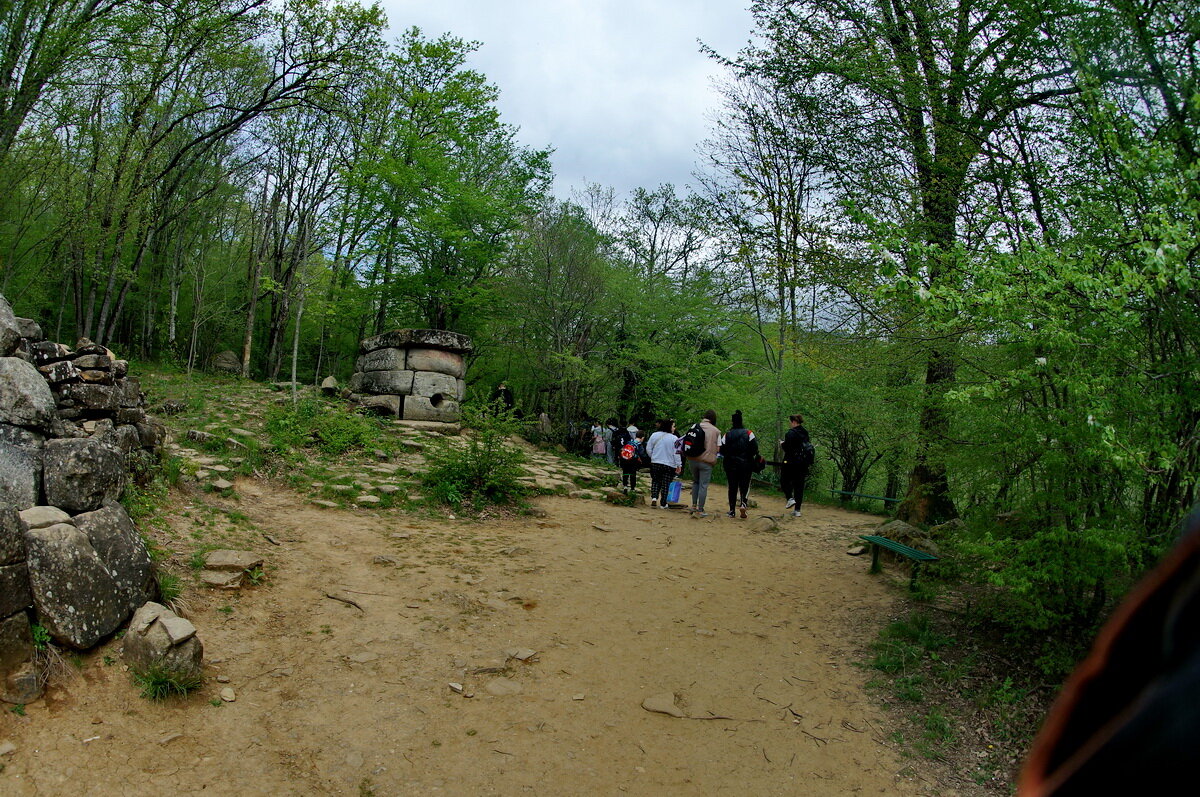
<point x="664" y="461"/>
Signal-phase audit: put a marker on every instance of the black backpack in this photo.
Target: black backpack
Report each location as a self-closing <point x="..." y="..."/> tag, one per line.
<point x="693" y="442"/>
<point x="808" y="454"/>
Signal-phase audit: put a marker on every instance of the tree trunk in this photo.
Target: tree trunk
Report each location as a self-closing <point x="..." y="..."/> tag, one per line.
<point x="296" y="343"/>
<point x="928" y="498"/>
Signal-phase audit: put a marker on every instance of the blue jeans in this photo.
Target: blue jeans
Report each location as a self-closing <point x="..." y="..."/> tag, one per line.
<point x="701" y="474"/>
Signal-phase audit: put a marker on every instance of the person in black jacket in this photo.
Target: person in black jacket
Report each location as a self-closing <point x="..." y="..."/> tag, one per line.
<point x="797" y="458"/>
<point x="739" y="451"/>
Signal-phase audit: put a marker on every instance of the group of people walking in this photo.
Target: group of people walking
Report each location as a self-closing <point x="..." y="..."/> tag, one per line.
<point x="702" y="445"/>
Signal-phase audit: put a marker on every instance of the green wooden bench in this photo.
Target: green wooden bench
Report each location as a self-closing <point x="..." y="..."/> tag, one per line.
<point x="848" y="495"/>
<point x="916" y="556"/>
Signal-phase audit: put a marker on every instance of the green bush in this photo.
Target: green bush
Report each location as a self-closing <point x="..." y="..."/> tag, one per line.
<point x="479" y="468"/>
<point x="313" y="423"/>
<point x="1050" y="587"/>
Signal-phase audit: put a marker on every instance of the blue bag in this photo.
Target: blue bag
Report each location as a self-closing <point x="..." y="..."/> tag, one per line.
<point x="674" y="491"/>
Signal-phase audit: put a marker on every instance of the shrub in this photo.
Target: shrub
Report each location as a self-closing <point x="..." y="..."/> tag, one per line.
<point x="1051" y="586"/>
<point x="313" y="423"/>
<point x="482" y="467"/>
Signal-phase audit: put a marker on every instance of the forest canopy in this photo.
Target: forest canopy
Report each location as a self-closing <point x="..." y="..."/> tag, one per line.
<point x="960" y="237"/>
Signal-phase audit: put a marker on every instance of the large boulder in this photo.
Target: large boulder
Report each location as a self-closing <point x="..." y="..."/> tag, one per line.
<point x="76" y="598"/>
<point x="381" y="360"/>
<point x="129" y="393"/>
<point x="120" y="547"/>
<point x="14" y="588"/>
<point x="227" y="362"/>
<point x="93" y="399"/>
<point x="157" y="637"/>
<point x="95" y="362"/>
<point x="420" y="408"/>
<point x="20" y="475"/>
<point x="909" y="535"/>
<point x="381" y="383"/>
<point x="80" y="474"/>
<point x="12" y="535"/>
<point x="14" y="574"/>
<point x="434" y="386"/>
<point x="40" y="517"/>
<point x="46" y="352"/>
<point x="20" y="683"/>
<point x="25" y="398"/>
<point x="418" y="338"/>
<point x="438" y="361"/>
<point x="383" y="405"/>
<point x="152" y="433"/>
<point x="58" y="372"/>
<point x="20" y="436"/>
<point x="30" y="330"/>
<point x="10" y="331"/>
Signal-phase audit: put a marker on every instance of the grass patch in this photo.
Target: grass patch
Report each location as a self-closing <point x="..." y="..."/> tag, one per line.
<point x="157" y="682"/>
<point x="961" y="697"/>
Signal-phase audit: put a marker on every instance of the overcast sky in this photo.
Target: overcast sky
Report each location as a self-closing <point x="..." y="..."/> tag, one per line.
<point x="618" y="88"/>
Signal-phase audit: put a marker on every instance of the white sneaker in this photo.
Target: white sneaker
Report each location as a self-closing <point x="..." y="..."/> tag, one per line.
<point x="795" y="513"/>
<point x="791" y="503"/>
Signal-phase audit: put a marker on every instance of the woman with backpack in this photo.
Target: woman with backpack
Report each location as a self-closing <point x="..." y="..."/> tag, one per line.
<point x="664" y="462"/>
<point x="797" y="459"/>
<point x="739" y="452"/>
<point x="632" y="457"/>
<point x="599" y="442"/>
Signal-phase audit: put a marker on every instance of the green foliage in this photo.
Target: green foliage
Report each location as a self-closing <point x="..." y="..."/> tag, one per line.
<point x="144" y="501"/>
<point x="41" y="637"/>
<point x="479" y="468"/>
<point x="328" y="427"/>
<point x="173" y="469"/>
<point x="157" y="682"/>
<point x="1050" y="585"/>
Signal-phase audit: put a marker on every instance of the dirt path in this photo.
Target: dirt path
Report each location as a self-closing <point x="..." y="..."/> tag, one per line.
<point x="753" y="633"/>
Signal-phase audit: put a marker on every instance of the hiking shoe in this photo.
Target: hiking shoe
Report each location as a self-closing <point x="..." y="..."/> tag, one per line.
<point x="729" y="513"/>
<point x="742" y="509"/>
<point x="701" y="513"/>
<point x="791" y="502"/>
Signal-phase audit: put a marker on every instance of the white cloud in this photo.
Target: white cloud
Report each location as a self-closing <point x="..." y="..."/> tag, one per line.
<point x="620" y="89"/>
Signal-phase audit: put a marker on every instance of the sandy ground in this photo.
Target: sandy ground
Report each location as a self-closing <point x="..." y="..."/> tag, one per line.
<point x="753" y="634"/>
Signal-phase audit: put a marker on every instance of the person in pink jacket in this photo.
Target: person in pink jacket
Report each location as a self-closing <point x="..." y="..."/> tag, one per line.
<point x="702" y="464"/>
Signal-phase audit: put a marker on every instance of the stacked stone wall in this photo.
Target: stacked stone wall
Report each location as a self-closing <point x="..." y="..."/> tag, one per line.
<point x="413" y="374"/>
<point x="73" y="425"/>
